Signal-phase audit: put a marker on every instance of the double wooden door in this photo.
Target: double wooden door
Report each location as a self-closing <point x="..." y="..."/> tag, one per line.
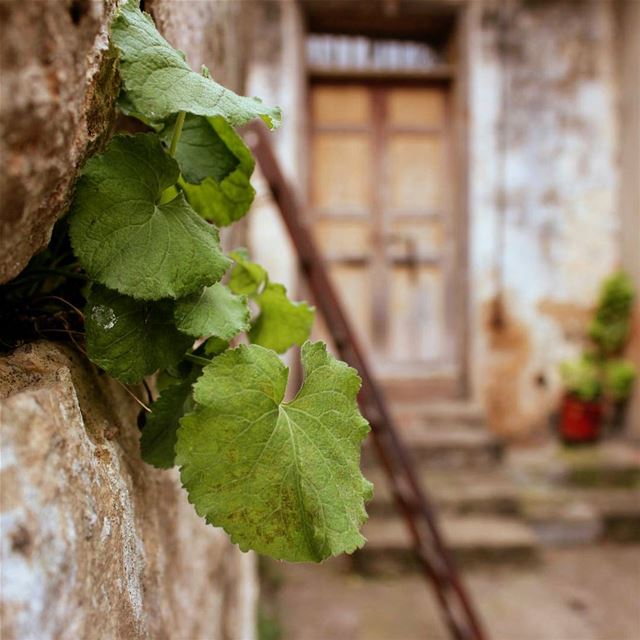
<point x="381" y="207"/>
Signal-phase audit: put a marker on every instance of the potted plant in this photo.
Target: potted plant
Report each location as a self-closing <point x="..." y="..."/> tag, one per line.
<point x="582" y="409"/>
<point x="599" y="382"/>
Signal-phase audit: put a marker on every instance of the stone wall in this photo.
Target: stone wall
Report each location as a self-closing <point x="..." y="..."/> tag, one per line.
<point x="57" y="98"/>
<point x="95" y="544"/>
<point x="58" y="85"/>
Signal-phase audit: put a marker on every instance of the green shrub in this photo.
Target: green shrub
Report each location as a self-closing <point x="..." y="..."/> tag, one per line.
<point x="618" y="378"/>
<point x="597" y="373"/>
<point x="609" y="328"/>
<point x="581" y="377"/>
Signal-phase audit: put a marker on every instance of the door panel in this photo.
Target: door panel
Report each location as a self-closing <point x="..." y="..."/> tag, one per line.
<point x="416" y="324"/>
<point x="354" y="282"/>
<point x="340" y="105"/>
<point x="344" y="240"/>
<point x="416" y="107"/>
<point x="380" y="180"/>
<point x="341" y="180"/>
<point x="415" y="172"/>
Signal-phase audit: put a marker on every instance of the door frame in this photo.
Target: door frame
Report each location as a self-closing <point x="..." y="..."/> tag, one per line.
<point x="440" y="386"/>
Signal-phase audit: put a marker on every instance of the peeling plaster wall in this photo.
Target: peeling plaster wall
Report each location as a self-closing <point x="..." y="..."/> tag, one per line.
<point x="544" y="170"/>
<point x="544" y="227"/>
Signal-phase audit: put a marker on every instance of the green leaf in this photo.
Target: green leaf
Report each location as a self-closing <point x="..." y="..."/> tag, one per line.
<point x="221" y="203"/>
<point x="159" y="436"/>
<point x="159" y="82"/>
<point x="125" y="105"/>
<point x="216" y="166"/>
<point x="130" y="339"/>
<point x="282" y="478"/>
<point x="246" y="277"/>
<point x="215" y="346"/>
<point x="214" y="312"/>
<point x="126" y="239"/>
<point x="281" y="323"/>
<point x="209" y="147"/>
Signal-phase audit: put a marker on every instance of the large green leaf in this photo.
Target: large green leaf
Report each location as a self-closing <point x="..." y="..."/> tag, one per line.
<point x="158" y="439"/>
<point x="282" y="478"/>
<point x="126" y="239"/>
<point x="216" y="311"/>
<point x="160" y="83"/>
<point x="281" y="323"/>
<point x="129" y="338"/>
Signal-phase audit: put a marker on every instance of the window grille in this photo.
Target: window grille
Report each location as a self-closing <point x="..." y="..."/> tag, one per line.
<point x="341" y="52"/>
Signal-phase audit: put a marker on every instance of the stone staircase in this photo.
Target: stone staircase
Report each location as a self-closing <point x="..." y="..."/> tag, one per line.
<point x="460" y="464"/>
<point x="520" y="522"/>
<point x="500" y="507"/>
<point x="580" y="495"/>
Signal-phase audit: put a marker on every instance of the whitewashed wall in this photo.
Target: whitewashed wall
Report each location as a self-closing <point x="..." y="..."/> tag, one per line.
<point x="544" y="183"/>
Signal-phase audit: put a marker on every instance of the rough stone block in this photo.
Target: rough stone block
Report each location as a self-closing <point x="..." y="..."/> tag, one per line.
<point x="96" y="544"/>
<point x="57" y="92"/>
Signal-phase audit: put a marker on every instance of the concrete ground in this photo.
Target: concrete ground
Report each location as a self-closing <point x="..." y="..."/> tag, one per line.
<point x="589" y="592"/>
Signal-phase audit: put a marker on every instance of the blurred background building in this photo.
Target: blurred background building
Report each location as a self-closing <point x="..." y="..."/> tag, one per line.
<point x="470" y="170"/>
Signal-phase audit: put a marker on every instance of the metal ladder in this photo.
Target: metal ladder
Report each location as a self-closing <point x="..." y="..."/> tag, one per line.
<point x="432" y="552"/>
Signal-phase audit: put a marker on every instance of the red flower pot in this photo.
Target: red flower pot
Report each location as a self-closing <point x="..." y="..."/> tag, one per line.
<point x="580" y="420"/>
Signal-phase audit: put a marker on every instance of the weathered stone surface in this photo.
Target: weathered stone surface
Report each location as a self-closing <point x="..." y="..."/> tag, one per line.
<point x="96" y="544"/>
<point x="57" y="92"/>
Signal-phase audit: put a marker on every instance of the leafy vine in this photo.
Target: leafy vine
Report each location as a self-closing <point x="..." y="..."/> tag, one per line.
<point x="282" y="478"/>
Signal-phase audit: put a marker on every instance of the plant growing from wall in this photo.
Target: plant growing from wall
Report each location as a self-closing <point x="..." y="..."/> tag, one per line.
<point x="281" y="477"/>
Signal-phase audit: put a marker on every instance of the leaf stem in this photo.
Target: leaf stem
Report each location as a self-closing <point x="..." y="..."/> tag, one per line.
<point x="197" y="359"/>
<point x="177" y="130"/>
<point x="65" y="301"/>
<point x="134" y="396"/>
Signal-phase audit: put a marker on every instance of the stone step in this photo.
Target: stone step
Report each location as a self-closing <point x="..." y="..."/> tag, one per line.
<point x="475" y="492"/>
<point x="460" y="448"/>
<point x="607" y="464"/>
<point x="566" y="516"/>
<point x="438" y="415"/>
<point x="474" y="540"/>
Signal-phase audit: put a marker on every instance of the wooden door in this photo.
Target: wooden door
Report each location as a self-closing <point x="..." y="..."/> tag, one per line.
<point x="379" y="193"/>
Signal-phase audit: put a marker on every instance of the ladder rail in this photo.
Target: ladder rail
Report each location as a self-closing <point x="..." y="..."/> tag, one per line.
<point x="412" y="502"/>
